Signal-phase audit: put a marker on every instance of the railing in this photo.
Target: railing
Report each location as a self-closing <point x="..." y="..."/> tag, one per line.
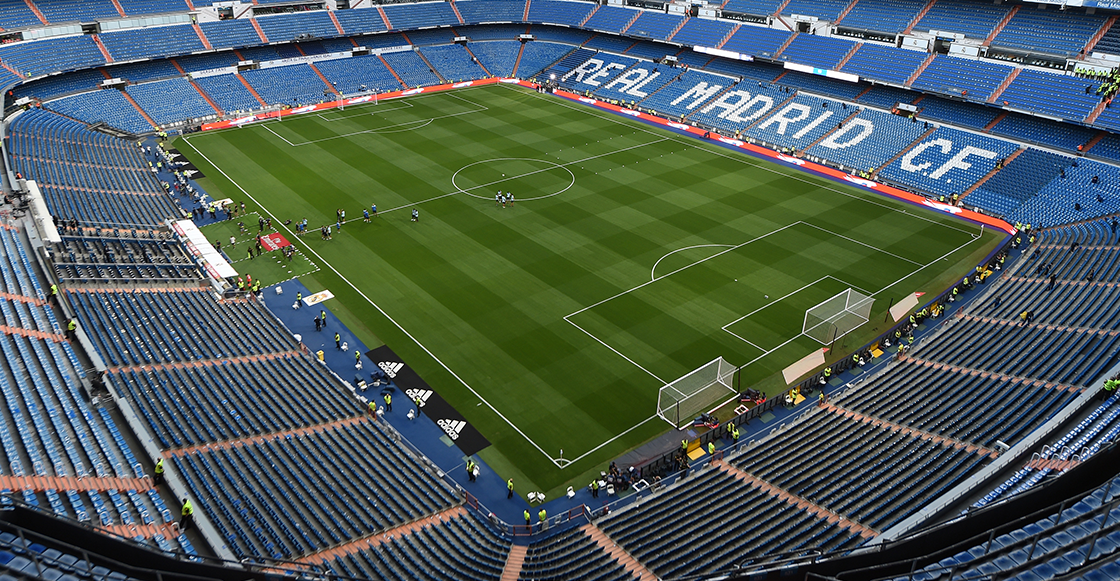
<point x="299" y="570"/>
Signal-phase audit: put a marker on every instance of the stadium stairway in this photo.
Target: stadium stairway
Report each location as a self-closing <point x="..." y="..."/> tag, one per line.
<point x="395" y="75"/>
<point x="801" y="503"/>
<point x="618" y="553"/>
<point x="422" y="432"/>
<point x="991" y="173"/>
<point x="369" y="542"/>
<point x="489" y="490"/>
<point x="882" y="423"/>
<point x="348" y="363"/>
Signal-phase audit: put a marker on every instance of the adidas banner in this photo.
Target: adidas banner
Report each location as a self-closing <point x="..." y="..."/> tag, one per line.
<point x="465" y="436"/>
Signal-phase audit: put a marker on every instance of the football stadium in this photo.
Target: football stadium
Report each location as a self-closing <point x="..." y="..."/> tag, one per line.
<point x="560" y="290"/>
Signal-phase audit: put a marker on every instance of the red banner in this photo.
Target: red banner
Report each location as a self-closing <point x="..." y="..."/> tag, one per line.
<point x="800" y="163"/>
<point x="352" y="101"/>
<point x="694" y="131"/>
<point x="274" y="241"/>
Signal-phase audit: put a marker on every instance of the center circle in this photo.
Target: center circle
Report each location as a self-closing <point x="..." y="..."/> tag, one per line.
<point x="521" y="175"/>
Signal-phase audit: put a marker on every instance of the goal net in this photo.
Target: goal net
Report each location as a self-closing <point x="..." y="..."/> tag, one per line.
<point x="700" y="390"/>
<point x="837" y="316"/>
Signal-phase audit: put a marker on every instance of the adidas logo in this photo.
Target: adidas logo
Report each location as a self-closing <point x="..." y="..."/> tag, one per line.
<point x="452" y="427"/>
<point x="390" y="368"/>
<point x="419" y="394"/>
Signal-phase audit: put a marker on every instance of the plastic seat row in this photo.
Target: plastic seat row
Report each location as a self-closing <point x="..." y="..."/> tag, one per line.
<point x="313" y="491"/>
<point x="197" y="405"/>
<point x="140" y="327"/>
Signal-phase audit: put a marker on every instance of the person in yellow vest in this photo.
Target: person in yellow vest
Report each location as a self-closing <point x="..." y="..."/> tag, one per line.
<point x="509" y="488"/>
<point x="388" y="402"/>
<point x="543" y="517"/>
<point x="187" y="514"/>
<point x="54" y="294"/>
<point x="158" y="478"/>
<point x="372" y="406"/>
<point x="528" y="522"/>
<point x="712" y="450"/>
<point x="72" y="328"/>
<point x="1109" y="389"/>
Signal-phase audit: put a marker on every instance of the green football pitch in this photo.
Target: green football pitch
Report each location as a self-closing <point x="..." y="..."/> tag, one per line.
<point x="632" y="256"/>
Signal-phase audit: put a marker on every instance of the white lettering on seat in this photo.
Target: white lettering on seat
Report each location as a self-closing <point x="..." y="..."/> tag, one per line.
<point x="908" y="160"/>
<point x="836" y="140"/>
<point x="632" y="81"/>
<point x="958" y="160"/>
<point x="737" y="110"/>
<point x="699" y="93"/>
<point x="588" y="67"/>
<point x="800" y="113"/>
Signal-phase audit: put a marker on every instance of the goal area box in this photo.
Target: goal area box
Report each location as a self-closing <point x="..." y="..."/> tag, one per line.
<point x="707" y="386"/>
<point x="837" y="316"/>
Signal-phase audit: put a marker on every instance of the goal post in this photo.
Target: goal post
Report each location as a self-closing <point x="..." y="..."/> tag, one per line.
<point x="363" y="96"/>
<point x="709" y="385"/>
<point x="837" y="316"/>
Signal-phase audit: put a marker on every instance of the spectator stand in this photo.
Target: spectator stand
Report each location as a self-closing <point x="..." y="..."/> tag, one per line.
<point x="422" y="434"/>
<point x="487" y="494"/>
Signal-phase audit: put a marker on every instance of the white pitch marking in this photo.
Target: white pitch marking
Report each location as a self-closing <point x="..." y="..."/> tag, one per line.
<point x="876" y="249"/>
<point x="743" y="158"/>
<point x="384" y="109"/>
<point x="380" y="310"/>
<point x="480" y="108"/>
<point x="653" y="270"/>
<point x="534" y="172"/>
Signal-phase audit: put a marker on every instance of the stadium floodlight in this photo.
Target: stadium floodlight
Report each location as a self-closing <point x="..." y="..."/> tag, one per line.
<point x="710" y="385"/>
<point x="837" y="316"/>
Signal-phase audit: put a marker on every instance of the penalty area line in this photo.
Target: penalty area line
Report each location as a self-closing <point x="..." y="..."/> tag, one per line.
<point x="385" y="109"/>
<point x="479" y="108"/>
<point x="912" y="273"/>
<point x="361" y="293"/>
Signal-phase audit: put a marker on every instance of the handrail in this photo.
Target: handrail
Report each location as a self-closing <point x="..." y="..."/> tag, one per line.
<point x="13" y="501"/>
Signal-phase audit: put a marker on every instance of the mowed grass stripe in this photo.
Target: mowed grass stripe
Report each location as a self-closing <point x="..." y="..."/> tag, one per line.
<point x="683" y="307"/>
<point x="486" y="289"/>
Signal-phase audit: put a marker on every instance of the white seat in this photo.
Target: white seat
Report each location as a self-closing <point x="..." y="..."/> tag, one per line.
<point x="571" y="493"/>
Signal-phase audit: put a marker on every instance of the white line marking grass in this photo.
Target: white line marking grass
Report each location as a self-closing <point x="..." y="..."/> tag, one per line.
<point x="363" y="110"/>
<point x="396" y="128"/>
<point x="562" y="462"/>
